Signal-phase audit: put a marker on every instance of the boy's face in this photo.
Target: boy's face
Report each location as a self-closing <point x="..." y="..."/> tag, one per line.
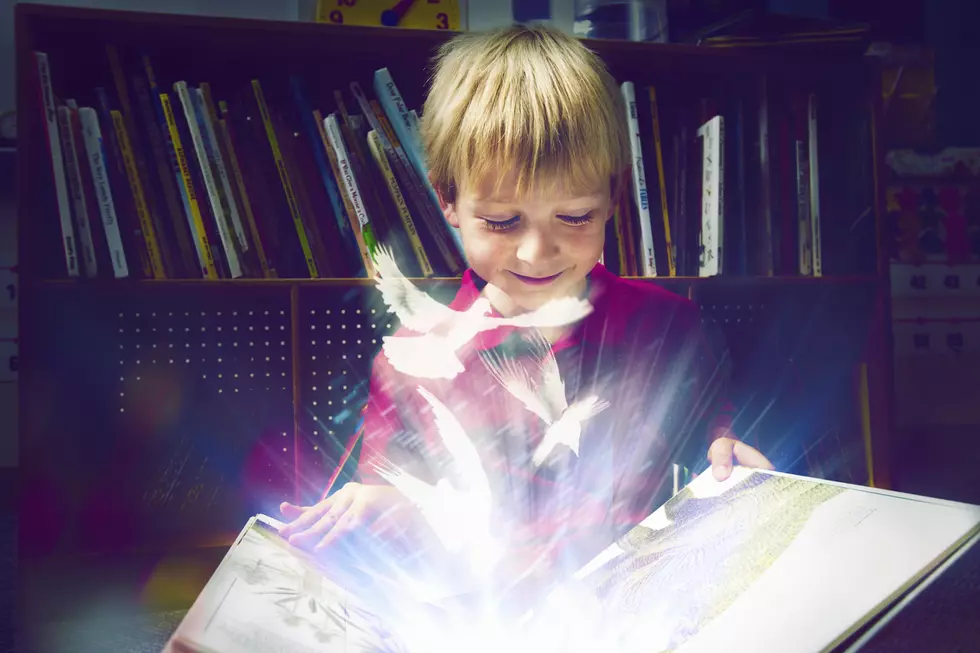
<point x="533" y="248"/>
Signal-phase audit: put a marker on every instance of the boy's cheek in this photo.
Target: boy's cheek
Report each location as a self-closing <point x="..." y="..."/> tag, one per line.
<point x="482" y="255"/>
<point x="591" y="240"/>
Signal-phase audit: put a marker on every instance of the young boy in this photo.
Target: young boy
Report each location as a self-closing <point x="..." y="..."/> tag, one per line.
<point x="525" y="136"/>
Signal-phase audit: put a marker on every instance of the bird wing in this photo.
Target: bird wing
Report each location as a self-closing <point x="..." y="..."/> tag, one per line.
<point x="515" y="379"/>
<point x="466" y="459"/>
<point x="552" y="386"/>
<point x="544" y="448"/>
<point x="585" y="408"/>
<point x="434" y="501"/>
<point x="555" y="313"/>
<point x="415" y="309"/>
<point x="568" y="429"/>
<point x="414" y="489"/>
<point x="423" y="356"/>
<point x="559" y="433"/>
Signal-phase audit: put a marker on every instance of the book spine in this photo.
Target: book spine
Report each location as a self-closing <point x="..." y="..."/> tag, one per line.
<point x="77" y="190"/>
<point x="217" y="191"/>
<point x="721" y="247"/>
<point x="413" y="185"/>
<point x="815" y="252"/>
<point x="293" y="153"/>
<point x="311" y="125"/>
<point x="350" y="187"/>
<point x="186" y="184"/>
<point x="399" y="115"/>
<point x="767" y="196"/>
<point x="57" y="162"/>
<point x="95" y="149"/>
<point x="682" y="196"/>
<point x="658" y="148"/>
<point x="712" y="188"/>
<point x="287" y="186"/>
<point x="183" y="262"/>
<point x="268" y="270"/>
<point x="374" y="143"/>
<point x="228" y="245"/>
<point x="349" y="209"/>
<point x="805" y="249"/>
<point x="142" y="212"/>
<point x="209" y="117"/>
<point x="620" y="230"/>
<point x="88" y="191"/>
<point x="123" y="197"/>
<point x="254" y="194"/>
<point x="405" y="125"/>
<point x="649" y="263"/>
<point x="153" y="210"/>
<point x="634" y="267"/>
<point x="413" y="119"/>
<point x="173" y="184"/>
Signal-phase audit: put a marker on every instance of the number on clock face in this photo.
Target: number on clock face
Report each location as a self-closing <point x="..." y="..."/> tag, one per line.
<point x="431" y="14"/>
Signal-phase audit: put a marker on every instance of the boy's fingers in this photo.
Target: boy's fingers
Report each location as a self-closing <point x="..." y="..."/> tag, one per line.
<point x="291" y="512"/>
<point x="720" y="455"/>
<point x="322" y="526"/>
<point x="310" y="516"/>
<point x="749" y="456"/>
<point x="348" y="522"/>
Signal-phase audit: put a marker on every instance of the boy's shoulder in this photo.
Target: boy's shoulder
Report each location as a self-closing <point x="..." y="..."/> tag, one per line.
<point x="639" y="306"/>
<point x="644" y="295"/>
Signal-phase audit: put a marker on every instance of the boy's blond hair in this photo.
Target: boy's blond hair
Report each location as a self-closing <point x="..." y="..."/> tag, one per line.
<point x="531" y="100"/>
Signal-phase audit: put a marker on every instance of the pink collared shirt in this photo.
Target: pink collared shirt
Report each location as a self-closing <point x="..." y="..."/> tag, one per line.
<point x="642" y="350"/>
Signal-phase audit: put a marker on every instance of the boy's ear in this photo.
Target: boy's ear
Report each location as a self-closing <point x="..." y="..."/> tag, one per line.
<point x="448" y="208"/>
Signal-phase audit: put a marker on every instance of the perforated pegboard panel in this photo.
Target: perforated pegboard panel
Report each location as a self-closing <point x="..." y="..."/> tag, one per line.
<point x="166" y="414"/>
<point x="340" y="331"/>
<point x="159" y="416"/>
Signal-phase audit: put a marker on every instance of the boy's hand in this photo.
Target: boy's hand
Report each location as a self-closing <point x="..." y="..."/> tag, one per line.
<point x="379" y="509"/>
<point x="724" y="450"/>
<point x="398" y="536"/>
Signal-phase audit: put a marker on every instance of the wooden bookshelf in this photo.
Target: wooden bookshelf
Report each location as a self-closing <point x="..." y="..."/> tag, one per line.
<point x="124" y="381"/>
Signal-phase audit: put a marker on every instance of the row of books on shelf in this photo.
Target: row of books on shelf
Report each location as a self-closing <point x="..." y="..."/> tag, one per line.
<point x="720" y="185"/>
<point x="159" y="181"/>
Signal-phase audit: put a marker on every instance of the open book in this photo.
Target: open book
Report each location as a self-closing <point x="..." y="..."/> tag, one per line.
<point x="763" y="561"/>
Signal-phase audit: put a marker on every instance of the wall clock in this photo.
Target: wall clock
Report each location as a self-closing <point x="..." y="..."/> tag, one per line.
<point x="411" y="14"/>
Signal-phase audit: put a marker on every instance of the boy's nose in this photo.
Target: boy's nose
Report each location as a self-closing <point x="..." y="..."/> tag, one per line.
<point x="536" y="247"/>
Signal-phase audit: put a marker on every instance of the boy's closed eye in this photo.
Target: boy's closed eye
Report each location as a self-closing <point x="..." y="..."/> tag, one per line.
<point x="505" y="224"/>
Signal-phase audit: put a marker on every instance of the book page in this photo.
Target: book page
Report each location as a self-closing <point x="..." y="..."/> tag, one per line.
<point x="267" y="597"/>
<point x="766" y="562"/>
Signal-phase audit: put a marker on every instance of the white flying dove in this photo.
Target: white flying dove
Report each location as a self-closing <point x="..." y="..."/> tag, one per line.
<point x="545" y="398"/>
<point x="443" y="330"/>
<point x="459" y="518"/>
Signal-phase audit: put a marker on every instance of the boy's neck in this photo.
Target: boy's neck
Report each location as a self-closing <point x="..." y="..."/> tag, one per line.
<point x="506" y="306"/>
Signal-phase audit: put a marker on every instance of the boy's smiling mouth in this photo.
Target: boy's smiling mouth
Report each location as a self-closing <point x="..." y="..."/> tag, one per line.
<point x="536" y="281"/>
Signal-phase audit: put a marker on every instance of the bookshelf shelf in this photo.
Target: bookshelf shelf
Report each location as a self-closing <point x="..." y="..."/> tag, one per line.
<point x="255" y="414"/>
<point x="109" y="285"/>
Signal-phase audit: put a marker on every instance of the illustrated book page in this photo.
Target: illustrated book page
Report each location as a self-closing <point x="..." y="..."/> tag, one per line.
<point x="267" y="596"/>
<point x="766" y="562"/>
